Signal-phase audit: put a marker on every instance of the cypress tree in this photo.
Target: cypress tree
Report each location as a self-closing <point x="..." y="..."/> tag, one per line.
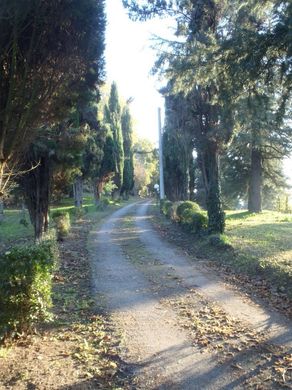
<point x="112" y="117"/>
<point x="128" y="174"/>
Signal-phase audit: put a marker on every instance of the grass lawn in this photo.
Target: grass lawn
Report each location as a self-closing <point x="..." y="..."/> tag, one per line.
<point x="263" y="244"/>
<point x="12" y="231"/>
<point x="254" y="245"/>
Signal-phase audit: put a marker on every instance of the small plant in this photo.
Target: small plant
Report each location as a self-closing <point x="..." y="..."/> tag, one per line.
<point x="109" y="187"/>
<point x="194" y="221"/>
<point x="25" y="287"/>
<point x="165" y="206"/>
<point x="62" y="223"/>
<point x="187" y="205"/>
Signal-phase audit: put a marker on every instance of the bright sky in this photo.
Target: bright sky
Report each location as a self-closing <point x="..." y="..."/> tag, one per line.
<point x="129" y="60"/>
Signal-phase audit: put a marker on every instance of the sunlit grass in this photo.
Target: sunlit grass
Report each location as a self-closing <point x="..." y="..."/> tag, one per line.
<point x="263" y="243"/>
<point x="11" y="228"/>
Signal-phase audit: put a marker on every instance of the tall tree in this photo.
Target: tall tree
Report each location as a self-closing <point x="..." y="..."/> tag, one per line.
<point x="112" y="117"/>
<point x="128" y="174"/>
<point x="226" y="50"/>
<point x="49" y="51"/>
<point x="177" y="147"/>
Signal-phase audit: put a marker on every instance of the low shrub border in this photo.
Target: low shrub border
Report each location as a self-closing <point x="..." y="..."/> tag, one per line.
<point x="188" y="214"/>
<point x="25" y="287"/>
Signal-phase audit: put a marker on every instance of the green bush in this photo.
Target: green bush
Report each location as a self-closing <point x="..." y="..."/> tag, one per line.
<point x="194" y="221"/>
<point x="62" y="223"/>
<point x="25" y="287"/>
<point x="165" y="206"/>
<point x="187" y="205"/>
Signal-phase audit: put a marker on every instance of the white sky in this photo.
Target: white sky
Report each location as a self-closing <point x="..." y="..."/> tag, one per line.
<point x="129" y="60"/>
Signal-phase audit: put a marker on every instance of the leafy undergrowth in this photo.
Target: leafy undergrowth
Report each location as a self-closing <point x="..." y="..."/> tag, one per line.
<point x="78" y="350"/>
<point x="255" y="255"/>
<point x="258" y="364"/>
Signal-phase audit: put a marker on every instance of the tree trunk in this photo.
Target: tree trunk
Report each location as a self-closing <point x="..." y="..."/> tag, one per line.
<point x="36" y="187"/>
<point x="1" y="210"/>
<point x="210" y="172"/>
<point x="96" y="192"/>
<point x="255" y="182"/>
<point x="192" y="180"/>
<point x="116" y="194"/>
<point x="78" y="191"/>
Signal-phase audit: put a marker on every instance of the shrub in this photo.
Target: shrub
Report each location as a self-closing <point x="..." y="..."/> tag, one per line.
<point x="62" y="223"/>
<point x="194" y="221"/>
<point x="165" y="206"/>
<point x="25" y="287"/>
<point x="187" y="205"/>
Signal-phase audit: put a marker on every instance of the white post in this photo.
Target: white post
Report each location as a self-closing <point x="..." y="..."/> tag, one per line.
<point x="161" y="178"/>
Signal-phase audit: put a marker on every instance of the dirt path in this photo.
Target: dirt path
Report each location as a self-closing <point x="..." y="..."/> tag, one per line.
<point x="174" y="337"/>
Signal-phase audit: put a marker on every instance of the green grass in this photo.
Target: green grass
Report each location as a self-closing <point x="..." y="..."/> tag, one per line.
<point x="12" y="231"/>
<point x="262" y="245"/>
<point x="259" y="245"/>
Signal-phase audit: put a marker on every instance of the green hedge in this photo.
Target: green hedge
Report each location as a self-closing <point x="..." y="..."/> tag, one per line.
<point x="194" y="221"/>
<point x="165" y="206"/>
<point x="187" y="205"/>
<point x="62" y="223"/>
<point x="187" y="213"/>
<point x="25" y="287"/>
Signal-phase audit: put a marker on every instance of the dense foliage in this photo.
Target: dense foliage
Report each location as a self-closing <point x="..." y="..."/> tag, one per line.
<point x="51" y="55"/>
<point x="229" y="74"/>
<point x="25" y="287"/>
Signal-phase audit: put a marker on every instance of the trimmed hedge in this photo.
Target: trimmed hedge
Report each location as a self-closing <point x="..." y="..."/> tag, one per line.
<point x="165" y="206"/>
<point x="25" y="287"/>
<point x="187" y="213"/>
<point x="194" y="221"/>
<point x="187" y="205"/>
<point x="62" y="223"/>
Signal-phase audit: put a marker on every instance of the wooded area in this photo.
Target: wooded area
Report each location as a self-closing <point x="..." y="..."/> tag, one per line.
<point x="70" y="155"/>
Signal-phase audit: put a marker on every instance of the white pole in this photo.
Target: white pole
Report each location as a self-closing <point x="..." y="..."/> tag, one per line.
<point x="161" y="178"/>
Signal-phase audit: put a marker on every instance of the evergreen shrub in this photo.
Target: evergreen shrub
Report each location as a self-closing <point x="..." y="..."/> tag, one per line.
<point x="194" y="221"/>
<point x="62" y="223"/>
<point x="187" y="205"/>
<point x="165" y="206"/>
<point x="25" y="287"/>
